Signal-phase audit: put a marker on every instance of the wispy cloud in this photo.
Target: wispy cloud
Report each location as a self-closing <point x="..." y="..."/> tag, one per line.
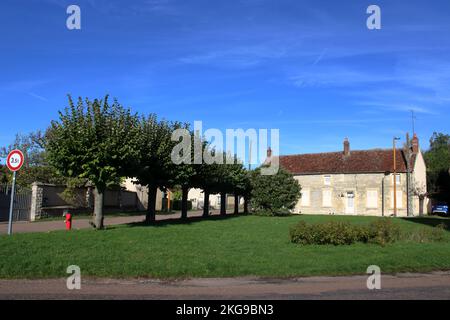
<point x="34" y="95"/>
<point x="399" y="107"/>
<point x="22" y="85"/>
<point x="244" y="56"/>
<point x="320" y="122"/>
<point x="320" y="57"/>
<point x="337" y="76"/>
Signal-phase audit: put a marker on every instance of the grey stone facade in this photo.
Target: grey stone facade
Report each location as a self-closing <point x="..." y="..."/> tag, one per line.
<point x="371" y="193"/>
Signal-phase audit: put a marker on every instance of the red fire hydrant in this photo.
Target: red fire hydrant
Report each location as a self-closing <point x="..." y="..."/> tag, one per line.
<point x="68" y="221"/>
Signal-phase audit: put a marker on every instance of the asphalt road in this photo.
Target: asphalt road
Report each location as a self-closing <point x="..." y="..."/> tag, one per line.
<point x="402" y="286"/>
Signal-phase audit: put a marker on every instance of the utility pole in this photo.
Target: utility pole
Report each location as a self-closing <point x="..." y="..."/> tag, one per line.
<point x="409" y="183"/>
<point x="395" y="175"/>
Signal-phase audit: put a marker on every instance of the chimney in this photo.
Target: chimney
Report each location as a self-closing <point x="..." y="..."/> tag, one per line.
<point x="346" y="147"/>
<point x="269" y="152"/>
<point x="415" y="144"/>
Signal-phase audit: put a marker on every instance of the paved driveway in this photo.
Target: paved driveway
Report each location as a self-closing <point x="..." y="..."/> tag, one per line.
<point x="44" y="226"/>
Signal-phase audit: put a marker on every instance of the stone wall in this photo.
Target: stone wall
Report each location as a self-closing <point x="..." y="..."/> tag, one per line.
<point x="48" y="200"/>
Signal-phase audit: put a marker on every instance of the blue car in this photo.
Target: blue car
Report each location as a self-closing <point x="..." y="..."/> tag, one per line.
<point x="440" y="208"/>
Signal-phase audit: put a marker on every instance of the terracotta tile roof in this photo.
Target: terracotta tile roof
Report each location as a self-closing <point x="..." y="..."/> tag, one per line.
<point x="358" y="161"/>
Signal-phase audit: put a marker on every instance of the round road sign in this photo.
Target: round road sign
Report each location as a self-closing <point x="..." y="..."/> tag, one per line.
<point x="15" y="160"/>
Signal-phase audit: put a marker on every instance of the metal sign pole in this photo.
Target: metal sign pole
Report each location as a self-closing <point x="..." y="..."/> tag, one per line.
<point x="11" y="205"/>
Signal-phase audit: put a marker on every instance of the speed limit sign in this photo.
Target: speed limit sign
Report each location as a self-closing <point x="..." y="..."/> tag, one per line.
<point x="15" y="160"/>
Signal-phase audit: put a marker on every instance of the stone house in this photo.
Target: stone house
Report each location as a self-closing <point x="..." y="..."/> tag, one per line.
<point x="359" y="182"/>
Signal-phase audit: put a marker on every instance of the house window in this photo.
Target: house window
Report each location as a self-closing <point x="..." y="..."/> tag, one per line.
<point x="326" y="198"/>
<point x="327" y="180"/>
<point x="305" y="198"/>
<point x="399" y="199"/>
<point x="372" y="199"/>
<point x="397" y="179"/>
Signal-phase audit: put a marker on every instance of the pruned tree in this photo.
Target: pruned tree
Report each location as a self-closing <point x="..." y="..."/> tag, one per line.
<point x="153" y="166"/>
<point x="274" y="194"/>
<point x="437" y="158"/>
<point x="242" y="187"/>
<point x="184" y="170"/>
<point x="207" y="179"/>
<point x="96" y="141"/>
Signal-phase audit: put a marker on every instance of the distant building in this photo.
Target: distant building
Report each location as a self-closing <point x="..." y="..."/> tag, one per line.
<point x="359" y="182"/>
<point x="195" y="195"/>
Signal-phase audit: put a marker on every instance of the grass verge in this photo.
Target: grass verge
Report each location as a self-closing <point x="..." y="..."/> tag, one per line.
<point x="215" y="247"/>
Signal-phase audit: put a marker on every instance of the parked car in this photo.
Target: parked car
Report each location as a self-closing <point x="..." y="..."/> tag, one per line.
<point x="440" y="209"/>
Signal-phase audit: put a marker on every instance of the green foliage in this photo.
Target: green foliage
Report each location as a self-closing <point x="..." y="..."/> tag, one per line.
<point x="381" y="231"/>
<point x="274" y="194"/>
<point x="94" y="140"/>
<point x="36" y="167"/>
<point x="4" y="174"/>
<point x="153" y="164"/>
<point x="438" y="156"/>
<point x="239" y="178"/>
<point x="185" y="175"/>
<point x="332" y="232"/>
<point x="437" y="159"/>
<point x="176" y="194"/>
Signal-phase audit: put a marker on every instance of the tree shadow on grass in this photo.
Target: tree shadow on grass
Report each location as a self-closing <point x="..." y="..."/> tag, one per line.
<point x="187" y="221"/>
<point x="430" y="221"/>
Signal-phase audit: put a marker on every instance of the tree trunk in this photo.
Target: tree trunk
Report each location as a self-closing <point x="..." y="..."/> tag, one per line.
<point x="421" y="202"/>
<point x="98" y="208"/>
<point x="150" y="215"/>
<point x="184" y="202"/>
<point x="223" y="204"/>
<point x="245" y="205"/>
<point x="236" y="204"/>
<point x="206" y="204"/>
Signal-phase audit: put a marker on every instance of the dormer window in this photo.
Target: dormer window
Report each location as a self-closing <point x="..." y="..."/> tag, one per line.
<point x="327" y="180"/>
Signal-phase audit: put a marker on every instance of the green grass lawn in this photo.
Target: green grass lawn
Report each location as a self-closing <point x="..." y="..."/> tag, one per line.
<point x="215" y="247"/>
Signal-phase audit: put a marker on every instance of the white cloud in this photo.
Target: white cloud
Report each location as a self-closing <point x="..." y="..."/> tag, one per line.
<point x="243" y="56"/>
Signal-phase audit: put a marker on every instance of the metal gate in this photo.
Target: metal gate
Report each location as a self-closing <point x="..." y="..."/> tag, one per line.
<point x="22" y="203"/>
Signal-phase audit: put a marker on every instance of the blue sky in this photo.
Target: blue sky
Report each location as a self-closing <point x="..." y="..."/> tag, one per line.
<point x="309" y="68"/>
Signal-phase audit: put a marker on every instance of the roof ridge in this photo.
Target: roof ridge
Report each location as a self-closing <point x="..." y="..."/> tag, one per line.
<point x="330" y="152"/>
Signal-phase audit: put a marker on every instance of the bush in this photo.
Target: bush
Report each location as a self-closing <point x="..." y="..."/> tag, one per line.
<point x="333" y="232"/>
<point x="274" y="194"/>
<point x="382" y="231"/>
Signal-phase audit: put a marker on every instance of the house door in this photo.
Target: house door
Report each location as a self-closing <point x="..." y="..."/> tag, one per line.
<point x="350" y="203"/>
